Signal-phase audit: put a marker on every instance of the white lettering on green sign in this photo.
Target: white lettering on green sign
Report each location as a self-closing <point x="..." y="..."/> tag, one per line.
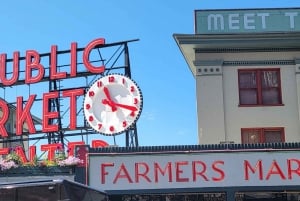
<point x="239" y="21"/>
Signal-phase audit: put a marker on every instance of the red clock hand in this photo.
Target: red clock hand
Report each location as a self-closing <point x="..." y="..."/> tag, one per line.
<point x="106" y="92"/>
<point x="109" y="101"/>
<point x="111" y="104"/>
<point x="128" y="107"/>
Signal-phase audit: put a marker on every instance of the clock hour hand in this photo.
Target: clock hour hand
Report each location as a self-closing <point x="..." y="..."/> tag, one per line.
<point x="110" y="103"/>
<point x="128" y="107"/>
<point x="107" y="94"/>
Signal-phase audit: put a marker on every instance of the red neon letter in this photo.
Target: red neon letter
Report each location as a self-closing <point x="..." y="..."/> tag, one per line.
<point x="4" y="151"/>
<point x="122" y="173"/>
<point x="179" y="171"/>
<point x="167" y="169"/>
<point x="15" y="73"/>
<point x="23" y="115"/>
<point x="73" y="59"/>
<point x="99" y="143"/>
<point x="32" y="153"/>
<point x="20" y="152"/>
<point x="33" y="62"/>
<point x="138" y="174"/>
<point x="47" y="115"/>
<point x="275" y="169"/>
<point x="218" y="170"/>
<point x="196" y="172"/>
<point x="53" y="65"/>
<point x="71" y="147"/>
<point x="4" y="118"/>
<point x="86" y="55"/>
<point x="290" y="168"/>
<point x="258" y="166"/>
<point x="73" y="107"/>
<point x="51" y="148"/>
<point x="103" y="171"/>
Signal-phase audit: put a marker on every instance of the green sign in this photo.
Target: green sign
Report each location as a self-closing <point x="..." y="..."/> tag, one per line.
<point x="247" y="21"/>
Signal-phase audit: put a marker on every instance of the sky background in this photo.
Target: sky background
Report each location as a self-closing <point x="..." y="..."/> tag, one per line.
<point x="169" y="114"/>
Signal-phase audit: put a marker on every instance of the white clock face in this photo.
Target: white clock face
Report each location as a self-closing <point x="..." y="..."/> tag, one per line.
<point x="113" y="104"/>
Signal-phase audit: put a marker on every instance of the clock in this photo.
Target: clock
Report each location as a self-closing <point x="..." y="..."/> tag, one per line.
<point x="113" y="104"/>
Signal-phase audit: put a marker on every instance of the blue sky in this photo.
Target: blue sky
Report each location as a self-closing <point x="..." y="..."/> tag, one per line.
<point x="169" y="112"/>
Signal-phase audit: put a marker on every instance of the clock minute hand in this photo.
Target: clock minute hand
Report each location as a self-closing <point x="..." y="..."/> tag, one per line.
<point x="109" y="101"/>
<point x="106" y="92"/>
<point x="113" y="105"/>
<point x="128" y="107"/>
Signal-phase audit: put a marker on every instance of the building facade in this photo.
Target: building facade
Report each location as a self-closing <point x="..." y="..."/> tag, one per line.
<point x="246" y="66"/>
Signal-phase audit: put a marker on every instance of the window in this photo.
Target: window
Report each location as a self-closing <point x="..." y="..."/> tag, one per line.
<point x="262" y="135"/>
<point x="259" y="87"/>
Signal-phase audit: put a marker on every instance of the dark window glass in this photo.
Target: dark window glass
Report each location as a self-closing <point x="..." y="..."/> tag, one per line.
<point x="259" y="87"/>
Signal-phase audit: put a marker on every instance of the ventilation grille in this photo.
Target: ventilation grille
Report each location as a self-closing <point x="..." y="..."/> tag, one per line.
<point x="245" y="63"/>
<point x="195" y="148"/>
<point x="239" y="50"/>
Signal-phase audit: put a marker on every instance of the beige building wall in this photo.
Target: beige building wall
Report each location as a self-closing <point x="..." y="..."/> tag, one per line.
<point x="210" y="105"/>
<point x="214" y="61"/>
<point x="218" y="98"/>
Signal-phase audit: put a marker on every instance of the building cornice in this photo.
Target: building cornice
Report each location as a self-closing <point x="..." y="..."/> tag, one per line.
<point x="190" y="44"/>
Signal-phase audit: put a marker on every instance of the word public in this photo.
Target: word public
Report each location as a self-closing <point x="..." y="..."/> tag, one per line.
<point x="35" y="72"/>
<point x="32" y="64"/>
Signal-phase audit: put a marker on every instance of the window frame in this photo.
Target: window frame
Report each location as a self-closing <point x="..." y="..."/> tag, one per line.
<point x="259" y="87"/>
<point x="262" y="130"/>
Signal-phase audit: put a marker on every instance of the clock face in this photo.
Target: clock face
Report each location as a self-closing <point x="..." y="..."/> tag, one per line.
<point x="113" y="104"/>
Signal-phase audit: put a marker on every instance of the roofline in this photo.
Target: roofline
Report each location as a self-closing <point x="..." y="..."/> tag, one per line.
<point x="190" y="43"/>
<point x="290" y="146"/>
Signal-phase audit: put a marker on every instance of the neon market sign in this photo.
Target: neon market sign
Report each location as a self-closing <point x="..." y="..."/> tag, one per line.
<point x="247" y="21"/>
<point x="33" y="70"/>
<point x="128" y="171"/>
<point x="34" y="73"/>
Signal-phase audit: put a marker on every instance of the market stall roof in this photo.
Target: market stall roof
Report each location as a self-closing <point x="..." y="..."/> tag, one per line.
<point x="50" y="190"/>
